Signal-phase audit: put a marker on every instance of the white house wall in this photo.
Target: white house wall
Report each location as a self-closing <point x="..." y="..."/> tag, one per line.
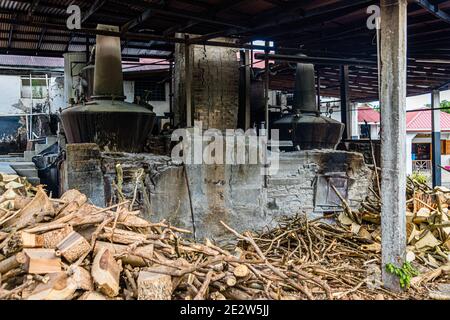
<point x="10" y="95"/>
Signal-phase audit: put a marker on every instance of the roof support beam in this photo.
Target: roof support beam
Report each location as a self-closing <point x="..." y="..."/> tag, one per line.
<point x="137" y="21"/>
<point x="98" y="4"/>
<point x="33" y="7"/>
<point x="436" y="137"/>
<point x="41" y="39"/>
<point x="393" y="147"/>
<point x="434" y="10"/>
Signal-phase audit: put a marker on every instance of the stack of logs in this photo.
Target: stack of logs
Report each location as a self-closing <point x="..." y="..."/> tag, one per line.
<point x="68" y="248"/>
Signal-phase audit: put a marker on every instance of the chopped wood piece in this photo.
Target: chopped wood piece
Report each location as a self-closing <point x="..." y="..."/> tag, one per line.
<point x="230" y="280"/>
<point x="12" y="262"/>
<point x="52" y="238"/>
<point x="81" y="277"/>
<point x="73" y="246"/>
<point x="135" y="259"/>
<point x="74" y="196"/>
<point x="59" y="287"/>
<point x="106" y="273"/>
<point x="154" y="286"/>
<point x="92" y="295"/>
<point x="121" y="236"/>
<point x="42" y="261"/>
<point x="217" y="296"/>
<point x="241" y="271"/>
<point x="33" y="212"/>
<point x="21" y="202"/>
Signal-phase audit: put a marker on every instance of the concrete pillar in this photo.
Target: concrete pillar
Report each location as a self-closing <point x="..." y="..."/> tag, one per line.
<point x="353" y="125"/>
<point x="345" y="100"/>
<point x="436" y="138"/>
<point x="409" y="140"/>
<point x="393" y="149"/>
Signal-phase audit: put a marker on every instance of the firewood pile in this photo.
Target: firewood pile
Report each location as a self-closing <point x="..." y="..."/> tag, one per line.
<point x="67" y="248"/>
<point x="428" y="224"/>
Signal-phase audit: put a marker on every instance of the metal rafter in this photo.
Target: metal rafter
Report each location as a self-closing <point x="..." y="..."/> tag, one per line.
<point x="434" y="10"/>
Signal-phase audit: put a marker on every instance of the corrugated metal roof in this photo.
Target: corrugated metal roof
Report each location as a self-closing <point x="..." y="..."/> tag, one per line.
<point x="420" y="121"/>
<point x="368" y="114"/>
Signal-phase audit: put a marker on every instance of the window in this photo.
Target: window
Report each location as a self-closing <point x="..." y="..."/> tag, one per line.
<point x="445" y="147"/>
<point x="38" y="88"/>
<point x="150" y="90"/>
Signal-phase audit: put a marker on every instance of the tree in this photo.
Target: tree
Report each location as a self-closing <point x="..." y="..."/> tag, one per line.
<point x="445" y="106"/>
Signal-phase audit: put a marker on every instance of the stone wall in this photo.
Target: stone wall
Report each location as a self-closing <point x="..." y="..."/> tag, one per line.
<point x="201" y="196"/>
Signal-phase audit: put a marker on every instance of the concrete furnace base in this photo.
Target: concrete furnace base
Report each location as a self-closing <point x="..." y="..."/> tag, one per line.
<point x="198" y="197"/>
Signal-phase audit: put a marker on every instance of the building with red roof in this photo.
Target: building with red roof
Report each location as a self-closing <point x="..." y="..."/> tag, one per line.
<point x="418" y="128"/>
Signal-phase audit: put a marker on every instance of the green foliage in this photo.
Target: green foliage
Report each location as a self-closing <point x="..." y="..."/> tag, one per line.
<point x="405" y="273"/>
<point x="445" y="106"/>
<point x="419" y="177"/>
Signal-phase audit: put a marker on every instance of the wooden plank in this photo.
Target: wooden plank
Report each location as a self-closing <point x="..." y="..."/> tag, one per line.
<point x="42" y="261"/>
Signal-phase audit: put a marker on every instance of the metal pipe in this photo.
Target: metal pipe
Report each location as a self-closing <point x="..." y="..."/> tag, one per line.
<point x="316" y="60"/>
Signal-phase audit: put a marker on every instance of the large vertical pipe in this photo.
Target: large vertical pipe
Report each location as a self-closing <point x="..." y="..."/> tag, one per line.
<point x="393" y="150"/>
<point x="436" y="138"/>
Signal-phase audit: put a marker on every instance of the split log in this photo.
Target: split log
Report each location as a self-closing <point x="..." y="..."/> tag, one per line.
<point x="59" y="287"/>
<point x="53" y="238"/>
<point x="92" y="295"/>
<point x="42" y="261"/>
<point x="121" y="236"/>
<point x="34" y="212"/>
<point x="153" y="286"/>
<point x="135" y="259"/>
<point x="73" y="246"/>
<point x="22" y="240"/>
<point x="74" y="196"/>
<point x="21" y="202"/>
<point x="106" y="273"/>
<point x="12" y="262"/>
<point x="81" y="277"/>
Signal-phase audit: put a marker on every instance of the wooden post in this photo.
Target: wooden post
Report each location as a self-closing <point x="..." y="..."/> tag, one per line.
<point x="393" y="150"/>
<point x="436" y="138"/>
<point x="266" y="90"/>
<point x="248" y="68"/>
<point x="188" y="78"/>
<point x="345" y="99"/>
